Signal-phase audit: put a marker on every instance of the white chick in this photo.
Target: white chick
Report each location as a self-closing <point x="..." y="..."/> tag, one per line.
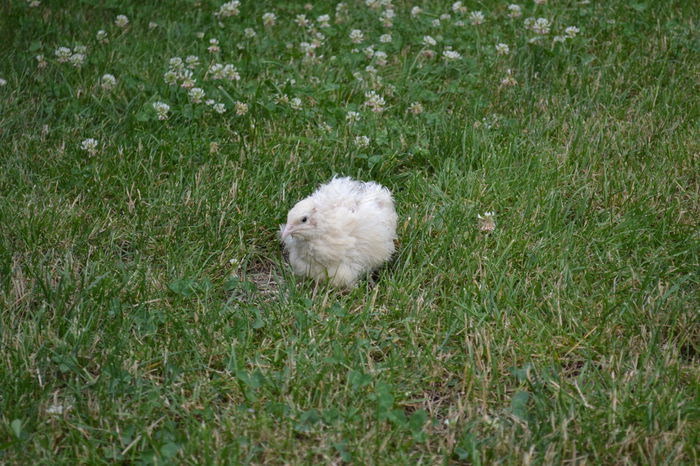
<point x="343" y="231"/>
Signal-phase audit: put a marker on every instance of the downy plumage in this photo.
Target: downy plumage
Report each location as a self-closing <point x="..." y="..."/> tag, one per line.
<point x="343" y="231"/>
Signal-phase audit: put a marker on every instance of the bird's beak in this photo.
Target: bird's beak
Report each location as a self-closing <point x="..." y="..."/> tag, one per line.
<point x="287" y="231"/>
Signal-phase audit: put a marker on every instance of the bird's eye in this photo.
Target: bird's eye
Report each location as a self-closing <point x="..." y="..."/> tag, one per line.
<point x="304" y="219"/>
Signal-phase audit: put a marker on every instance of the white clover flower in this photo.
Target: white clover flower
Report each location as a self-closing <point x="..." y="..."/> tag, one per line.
<point x="370" y="69"/>
<point x="445" y="17"/>
<point x="429" y="41"/>
<point x="170" y="77"/>
<point x="152" y="25"/>
<point x="210" y="102"/>
<point x="458" y="7"/>
<point x="502" y="49"/>
<point x="3" y="82"/>
<point x="196" y="94"/>
<point x="302" y="21"/>
<point x="324" y="21"/>
<point x="219" y="108"/>
<point x="214" y="46"/>
<point x="229" y="9"/>
<point x="176" y="63"/>
<point x="374" y="101"/>
<point x="514" y="11"/>
<point x="187" y="78"/>
<point x="380" y="58"/>
<point x="541" y="26"/>
<point x="108" y="82"/>
<point x="486" y="222"/>
<point x="416" y="108"/>
<point x="356" y="36"/>
<point x="41" y="61"/>
<point x="385" y="38"/>
<point x="77" y="59"/>
<point x="571" y="31"/>
<point x="387" y="18"/>
<point x="306" y="47"/>
<point x="362" y="141"/>
<point x="416" y="10"/>
<point x="216" y="71"/>
<point x="295" y="103"/>
<point x="529" y="22"/>
<point x="192" y="61"/>
<point x="241" y="108"/>
<point x="249" y="33"/>
<point x="341" y="12"/>
<point x="161" y="109"/>
<point x="352" y="117"/>
<point x="269" y="19"/>
<point x="435" y="23"/>
<point x="63" y="54"/>
<point x="476" y="18"/>
<point x="101" y="36"/>
<point x="56" y="408"/>
<point x="89" y="145"/>
<point x="509" y="80"/>
<point x="370" y="52"/>
<point x="230" y="73"/>
<point x="121" y="21"/>
<point x="451" y="55"/>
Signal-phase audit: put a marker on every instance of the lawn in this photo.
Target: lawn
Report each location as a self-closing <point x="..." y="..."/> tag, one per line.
<point x="543" y="303"/>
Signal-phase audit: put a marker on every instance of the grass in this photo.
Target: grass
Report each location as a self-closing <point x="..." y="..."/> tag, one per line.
<point x="147" y="314"/>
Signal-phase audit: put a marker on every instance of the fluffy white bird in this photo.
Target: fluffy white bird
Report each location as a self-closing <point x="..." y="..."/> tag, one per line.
<point x="343" y="231"/>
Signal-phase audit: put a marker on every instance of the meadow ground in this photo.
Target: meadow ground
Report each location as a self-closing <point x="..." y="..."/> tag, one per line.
<point x="542" y="306"/>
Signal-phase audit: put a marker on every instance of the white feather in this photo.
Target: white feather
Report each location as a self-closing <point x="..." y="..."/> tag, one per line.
<point x="343" y="231"/>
